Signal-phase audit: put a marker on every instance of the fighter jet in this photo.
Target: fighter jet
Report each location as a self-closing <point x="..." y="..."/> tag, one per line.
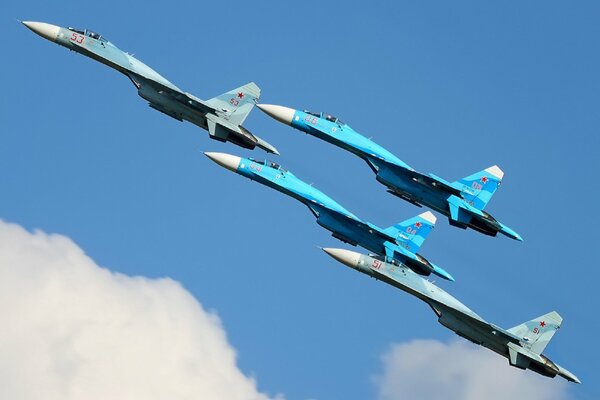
<point x="522" y="345"/>
<point x="396" y="244"/>
<point x="462" y="201"/>
<point x="221" y="116"/>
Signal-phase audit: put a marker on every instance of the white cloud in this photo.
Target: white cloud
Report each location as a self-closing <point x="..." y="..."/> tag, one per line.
<point x="73" y="330"/>
<point x="429" y="369"/>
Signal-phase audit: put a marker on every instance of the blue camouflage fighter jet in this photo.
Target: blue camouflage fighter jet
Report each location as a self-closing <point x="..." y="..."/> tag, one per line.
<point x="462" y="201"/>
<point x="396" y="244"/>
<point x="221" y="116"/>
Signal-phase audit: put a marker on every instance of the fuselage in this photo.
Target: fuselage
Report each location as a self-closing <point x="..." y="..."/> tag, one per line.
<point x="94" y="46"/>
<point x="448" y="309"/>
<point x="342" y="135"/>
<point x="330" y="214"/>
<point x="400" y="178"/>
<point x="334" y="131"/>
<point x="97" y="47"/>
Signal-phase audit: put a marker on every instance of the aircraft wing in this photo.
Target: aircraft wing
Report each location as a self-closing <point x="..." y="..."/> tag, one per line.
<point x="172" y="92"/>
<point x="434" y="182"/>
<point x="430" y="180"/>
<point x="443" y="184"/>
<point x="375" y="230"/>
<point x="149" y="79"/>
<point x="325" y="213"/>
<point x="453" y="318"/>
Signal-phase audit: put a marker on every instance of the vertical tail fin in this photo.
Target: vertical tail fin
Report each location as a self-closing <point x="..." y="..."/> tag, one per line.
<point x="479" y="187"/>
<point x="411" y="233"/>
<point x="538" y="332"/>
<point x="237" y="103"/>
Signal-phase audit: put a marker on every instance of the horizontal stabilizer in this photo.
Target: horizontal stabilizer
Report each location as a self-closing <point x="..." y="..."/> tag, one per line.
<point x="459" y="216"/>
<point x="478" y="188"/>
<point x="443" y="185"/>
<point x="537" y="333"/>
<point x="411" y="233"/>
<point x="236" y="104"/>
<point x="224" y="131"/>
<point x="405" y="196"/>
<point x="517" y="357"/>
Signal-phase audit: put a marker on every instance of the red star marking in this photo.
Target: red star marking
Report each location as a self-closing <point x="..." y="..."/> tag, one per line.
<point x="241" y="95"/>
<point x="542" y="324"/>
<point x="484" y="179"/>
<point x="418" y="224"/>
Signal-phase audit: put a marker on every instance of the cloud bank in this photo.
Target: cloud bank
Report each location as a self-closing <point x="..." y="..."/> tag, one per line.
<point x="73" y="330"/>
<point x="429" y="369"/>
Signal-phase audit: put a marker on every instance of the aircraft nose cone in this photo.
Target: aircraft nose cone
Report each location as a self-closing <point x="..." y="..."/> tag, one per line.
<point x="280" y="113"/>
<point x="47" y="31"/>
<point x="225" y="160"/>
<point x="347" y="257"/>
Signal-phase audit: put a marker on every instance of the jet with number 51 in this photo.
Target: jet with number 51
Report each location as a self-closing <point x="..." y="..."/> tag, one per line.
<point x="522" y="345"/>
<point x="462" y="201"/>
<point x="396" y="244"/>
<point x="221" y="116"/>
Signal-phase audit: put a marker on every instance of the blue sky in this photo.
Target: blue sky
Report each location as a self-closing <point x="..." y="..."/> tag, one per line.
<point x="448" y="88"/>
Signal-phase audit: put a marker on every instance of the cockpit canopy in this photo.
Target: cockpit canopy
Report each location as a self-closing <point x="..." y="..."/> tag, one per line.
<point x="328" y="117"/>
<point x="268" y="163"/>
<point x="88" y="33"/>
